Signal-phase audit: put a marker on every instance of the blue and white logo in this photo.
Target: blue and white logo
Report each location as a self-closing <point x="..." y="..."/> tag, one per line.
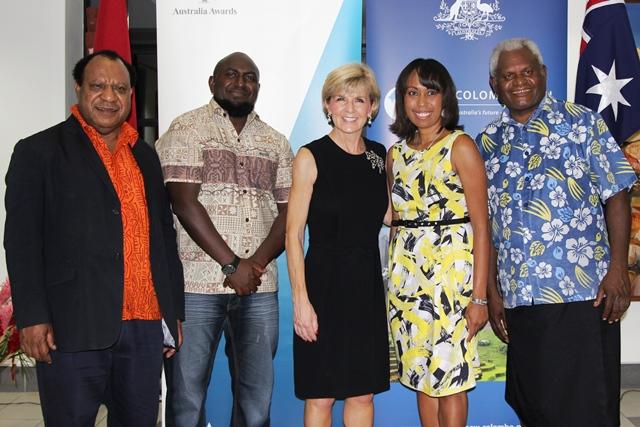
<point x="390" y="103"/>
<point x="469" y="19"/>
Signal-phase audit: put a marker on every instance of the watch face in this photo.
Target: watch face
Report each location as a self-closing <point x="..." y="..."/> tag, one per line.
<point x="228" y="269"/>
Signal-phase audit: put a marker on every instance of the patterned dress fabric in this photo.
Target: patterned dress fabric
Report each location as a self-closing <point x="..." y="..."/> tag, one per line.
<point x="431" y="272"/>
<point x="548" y="179"/>
<point x="344" y="276"/>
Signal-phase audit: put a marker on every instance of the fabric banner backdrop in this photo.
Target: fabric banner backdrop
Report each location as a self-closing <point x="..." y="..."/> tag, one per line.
<point x="461" y="34"/>
<point x="294" y="44"/>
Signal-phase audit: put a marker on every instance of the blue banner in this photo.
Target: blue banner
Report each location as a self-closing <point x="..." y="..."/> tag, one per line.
<point x="461" y="34"/>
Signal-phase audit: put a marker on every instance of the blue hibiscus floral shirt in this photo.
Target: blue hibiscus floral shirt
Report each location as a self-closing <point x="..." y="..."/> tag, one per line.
<point x="547" y="180"/>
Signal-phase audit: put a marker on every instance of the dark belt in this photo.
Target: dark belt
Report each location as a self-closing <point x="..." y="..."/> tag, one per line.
<point x="415" y="224"/>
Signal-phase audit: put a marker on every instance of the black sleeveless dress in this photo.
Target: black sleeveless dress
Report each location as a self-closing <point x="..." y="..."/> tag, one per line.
<point x="343" y="276"/>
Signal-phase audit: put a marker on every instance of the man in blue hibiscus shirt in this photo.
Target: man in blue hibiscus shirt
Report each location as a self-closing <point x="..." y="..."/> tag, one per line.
<point x="560" y="220"/>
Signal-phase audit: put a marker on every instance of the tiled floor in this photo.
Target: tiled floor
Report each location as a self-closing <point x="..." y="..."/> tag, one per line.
<point x="629" y="408"/>
<point x="23" y="410"/>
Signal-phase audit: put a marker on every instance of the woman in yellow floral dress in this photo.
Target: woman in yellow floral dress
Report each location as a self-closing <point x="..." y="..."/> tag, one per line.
<point x="439" y="245"/>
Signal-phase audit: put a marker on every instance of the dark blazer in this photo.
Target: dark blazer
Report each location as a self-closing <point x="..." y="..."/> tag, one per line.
<point x="63" y="239"/>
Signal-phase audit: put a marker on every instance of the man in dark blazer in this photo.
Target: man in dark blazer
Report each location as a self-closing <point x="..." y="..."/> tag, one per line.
<point x="92" y="259"/>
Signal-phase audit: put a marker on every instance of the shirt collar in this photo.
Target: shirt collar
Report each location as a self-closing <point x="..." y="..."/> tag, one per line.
<point x="506" y="115"/>
<point x="127" y="135"/>
<point x="216" y="109"/>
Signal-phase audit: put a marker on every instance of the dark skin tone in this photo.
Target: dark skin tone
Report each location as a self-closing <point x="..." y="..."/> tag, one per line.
<point x="496" y="308"/>
<point x="196" y="221"/>
<point x="236" y="80"/>
<point x="104" y="101"/>
<point x="615" y="288"/>
<point x="520" y="83"/>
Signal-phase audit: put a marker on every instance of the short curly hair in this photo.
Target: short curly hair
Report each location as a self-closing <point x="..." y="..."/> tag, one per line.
<point x="78" y="69"/>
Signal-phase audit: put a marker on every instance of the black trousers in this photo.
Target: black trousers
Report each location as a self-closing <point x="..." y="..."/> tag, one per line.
<point x="125" y="377"/>
<point x="563" y="365"/>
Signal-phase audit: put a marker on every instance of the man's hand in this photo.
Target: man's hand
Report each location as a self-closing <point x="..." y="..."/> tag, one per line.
<point x="37" y="340"/>
<point x="615" y="290"/>
<point x="246" y="279"/>
<point x="496" y="316"/>
<point x="170" y="351"/>
<point x="477" y="316"/>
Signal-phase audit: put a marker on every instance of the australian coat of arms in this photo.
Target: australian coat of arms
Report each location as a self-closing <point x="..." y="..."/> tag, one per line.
<point x="469" y="19"/>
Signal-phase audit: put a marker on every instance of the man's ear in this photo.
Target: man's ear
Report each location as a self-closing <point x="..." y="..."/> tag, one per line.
<point x="493" y="83"/>
<point x="211" y="83"/>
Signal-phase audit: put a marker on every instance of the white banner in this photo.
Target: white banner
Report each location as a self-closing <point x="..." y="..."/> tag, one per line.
<point x="285" y="38"/>
<point x="294" y="43"/>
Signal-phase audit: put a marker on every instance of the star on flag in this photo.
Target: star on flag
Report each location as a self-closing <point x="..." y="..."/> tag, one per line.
<point x="609" y="89"/>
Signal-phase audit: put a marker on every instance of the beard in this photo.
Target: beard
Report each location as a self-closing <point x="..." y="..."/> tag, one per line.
<point x="235" y="110"/>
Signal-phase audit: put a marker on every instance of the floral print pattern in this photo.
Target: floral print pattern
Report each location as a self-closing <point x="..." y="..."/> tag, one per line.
<point x="548" y="180"/>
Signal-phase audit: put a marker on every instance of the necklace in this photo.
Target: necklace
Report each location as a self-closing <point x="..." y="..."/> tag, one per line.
<point x="433" y="141"/>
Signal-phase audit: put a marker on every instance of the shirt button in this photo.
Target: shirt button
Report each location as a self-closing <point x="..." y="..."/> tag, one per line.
<point x="241" y="163"/>
<point x="238" y="139"/>
<point x="246" y="251"/>
<point x="246" y="220"/>
<point x="244" y="191"/>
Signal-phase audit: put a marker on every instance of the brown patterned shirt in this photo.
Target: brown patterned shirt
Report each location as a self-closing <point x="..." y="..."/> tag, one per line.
<point x="241" y="178"/>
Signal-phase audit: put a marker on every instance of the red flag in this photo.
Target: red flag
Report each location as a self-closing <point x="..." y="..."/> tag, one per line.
<point x="112" y="32"/>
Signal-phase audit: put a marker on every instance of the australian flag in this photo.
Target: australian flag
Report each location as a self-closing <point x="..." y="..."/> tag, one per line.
<point x="608" y="79"/>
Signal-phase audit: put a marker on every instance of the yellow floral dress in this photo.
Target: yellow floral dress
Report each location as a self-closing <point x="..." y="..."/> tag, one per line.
<point x="431" y="271"/>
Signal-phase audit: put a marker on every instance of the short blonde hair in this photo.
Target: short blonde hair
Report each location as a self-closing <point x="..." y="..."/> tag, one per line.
<point x="348" y="77"/>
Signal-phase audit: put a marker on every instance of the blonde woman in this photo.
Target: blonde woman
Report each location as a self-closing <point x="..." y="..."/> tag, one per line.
<point x="339" y="191"/>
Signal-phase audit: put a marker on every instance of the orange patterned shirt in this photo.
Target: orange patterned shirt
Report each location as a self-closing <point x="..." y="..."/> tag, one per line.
<point x="139" y="300"/>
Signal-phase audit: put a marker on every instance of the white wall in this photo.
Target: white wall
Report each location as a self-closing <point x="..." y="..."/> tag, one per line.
<point x="575" y="15"/>
<point x="38" y="39"/>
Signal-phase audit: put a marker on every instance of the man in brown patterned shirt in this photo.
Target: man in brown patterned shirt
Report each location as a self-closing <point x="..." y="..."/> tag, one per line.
<point x="228" y="175"/>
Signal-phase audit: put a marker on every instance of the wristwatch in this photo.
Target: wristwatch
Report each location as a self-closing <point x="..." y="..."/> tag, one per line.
<point x="229" y="269"/>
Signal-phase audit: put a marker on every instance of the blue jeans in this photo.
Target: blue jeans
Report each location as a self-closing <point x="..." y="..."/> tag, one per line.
<point x="250" y="325"/>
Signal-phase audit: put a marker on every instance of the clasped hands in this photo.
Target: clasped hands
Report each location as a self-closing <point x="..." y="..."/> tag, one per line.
<point x="246" y="279"/>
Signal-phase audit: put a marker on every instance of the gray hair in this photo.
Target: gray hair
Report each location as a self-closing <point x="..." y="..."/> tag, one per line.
<point x="509" y="45"/>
